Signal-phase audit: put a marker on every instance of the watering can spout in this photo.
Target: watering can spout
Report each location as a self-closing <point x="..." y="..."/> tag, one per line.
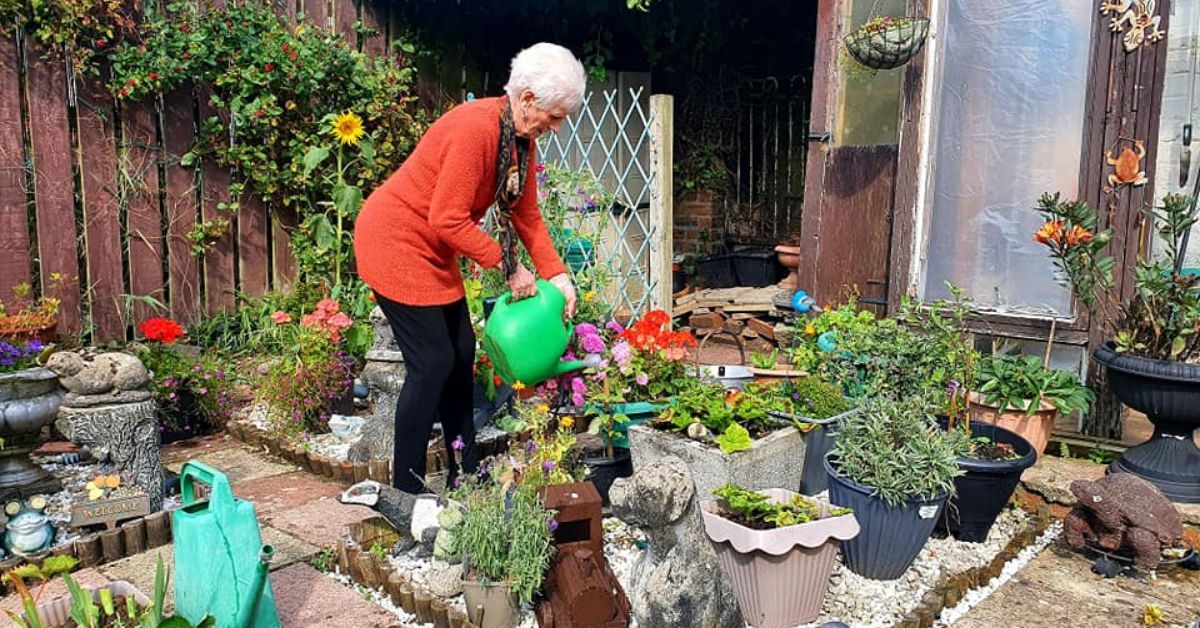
<point x="567" y="366"/>
<point x="249" y="607"/>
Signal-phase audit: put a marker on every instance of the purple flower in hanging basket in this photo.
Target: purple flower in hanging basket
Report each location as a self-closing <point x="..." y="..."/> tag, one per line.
<point x="458" y="444"/>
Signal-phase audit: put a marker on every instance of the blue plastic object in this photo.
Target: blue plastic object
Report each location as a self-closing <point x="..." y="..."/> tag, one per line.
<point x="802" y="302"/>
<point x="827" y="341"/>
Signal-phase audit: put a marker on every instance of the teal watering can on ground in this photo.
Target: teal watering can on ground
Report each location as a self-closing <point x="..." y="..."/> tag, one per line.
<point x="525" y="340"/>
<point x="221" y="563"/>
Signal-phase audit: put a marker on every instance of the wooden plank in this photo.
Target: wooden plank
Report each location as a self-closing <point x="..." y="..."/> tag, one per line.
<point x="345" y="14"/>
<point x="824" y="91"/>
<point x="253" y="259"/>
<point x="283" y="263"/>
<point x="179" y="126"/>
<point x="143" y="212"/>
<point x="218" y="261"/>
<point x="374" y="15"/>
<point x="662" y="137"/>
<point x="98" y="167"/>
<point x="317" y="13"/>
<point x="15" y="255"/>
<point x="905" y="212"/>
<point x="54" y="185"/>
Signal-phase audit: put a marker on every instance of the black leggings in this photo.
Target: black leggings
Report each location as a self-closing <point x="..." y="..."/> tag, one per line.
<point x="438" y="344"/>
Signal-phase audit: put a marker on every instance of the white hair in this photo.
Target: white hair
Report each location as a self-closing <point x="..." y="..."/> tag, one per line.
<point x="551" y="72"/>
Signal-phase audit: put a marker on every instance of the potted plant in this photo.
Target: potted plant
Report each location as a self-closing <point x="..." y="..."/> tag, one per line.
<point x="30" y="396"/>
<point x="887" y="42"/>
<point x="1020" y="394"/>
<point x="896" y="471"/>
<point x="777" y="550"/>
<point x="505" y="540"/>
<point x="192" y="389"/>
<point x="816" y="408"/>
<point x="37" y="319"/>
<point x="1151" y="361"/>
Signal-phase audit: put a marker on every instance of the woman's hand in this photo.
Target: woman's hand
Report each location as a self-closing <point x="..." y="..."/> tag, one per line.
<point x="522" y="283"/>
<point x="562" y="281"/>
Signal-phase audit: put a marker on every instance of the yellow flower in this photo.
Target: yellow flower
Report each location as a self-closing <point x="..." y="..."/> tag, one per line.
<point x="348" y="128"/>
<point x="543" y="409"/>
<point x="518" y="385"/>
<point x="1152" y="616"/>
<point x="588" y="296"/>
<point x="809" y="329"/>
<point x="566" y="422"/>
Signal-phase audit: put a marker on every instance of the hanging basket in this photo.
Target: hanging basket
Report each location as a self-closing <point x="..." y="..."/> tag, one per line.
<point x="886" y="43"/>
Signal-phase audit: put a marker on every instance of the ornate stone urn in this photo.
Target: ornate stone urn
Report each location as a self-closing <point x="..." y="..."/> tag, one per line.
<point x="29" y="399"/>
<point x="789" y="256"/>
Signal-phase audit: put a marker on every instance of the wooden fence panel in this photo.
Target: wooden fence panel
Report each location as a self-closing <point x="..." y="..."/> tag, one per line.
<point x="54" y="185"/>
<point x="374" y="16"/>
<point x="181" y="211"/>
<point x="98" y="168"/>
<point x="317" y="13"/>
<point x="14" y="224"/>
<point x="283" y="263"/>
<point x="219" y="261"/>
<point x="143" y="211"/>
<point x="253" y="259"/>
<point x="345" y="13"/>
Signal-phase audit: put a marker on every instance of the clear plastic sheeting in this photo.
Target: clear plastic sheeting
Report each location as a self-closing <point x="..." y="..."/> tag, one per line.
<point x="1008" y="125"/>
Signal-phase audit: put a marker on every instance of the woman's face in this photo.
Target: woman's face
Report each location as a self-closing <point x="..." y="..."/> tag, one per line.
<point x="530" y="121"/>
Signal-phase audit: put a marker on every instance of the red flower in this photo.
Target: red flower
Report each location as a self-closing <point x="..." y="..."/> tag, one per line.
<point x="260" y="113"/>
<point x="186" y="54"/>
<point x="270" y="67"/>
<point x="162" y="330"/>
<point x="100" y="43"/>
<point x="292" y="55"/>
<point x="154" y="76"/>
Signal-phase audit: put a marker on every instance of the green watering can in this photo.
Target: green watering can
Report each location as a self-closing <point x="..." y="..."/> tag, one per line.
<point x="525" y="340"/>
<point x="220" y="560"/>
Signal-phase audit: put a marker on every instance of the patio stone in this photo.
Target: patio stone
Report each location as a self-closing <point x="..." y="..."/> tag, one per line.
<point x="275" y="493"/>
<point x="320" y="522"/>
<point x="238" y="464"/>
<point x="1051" y="477"/>
<point x="139" y="570"/>
<point x="1057" y="588"/>
<point x="184" y="450"/>
<point x="57" y="588"/>
<point x="305" y="597"/>
<point x="288" y="549"/>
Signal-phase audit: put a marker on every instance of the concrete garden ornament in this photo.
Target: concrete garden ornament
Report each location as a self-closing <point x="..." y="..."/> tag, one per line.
<point x="1139" y="16"/>
<point x="28" y="530"/>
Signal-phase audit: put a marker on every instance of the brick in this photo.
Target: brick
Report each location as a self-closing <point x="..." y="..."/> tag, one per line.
<point x="306" y="597"/>
<point x="762" y="328"/>
<point x="735" y="326"/>
<point x="710" y="320"/>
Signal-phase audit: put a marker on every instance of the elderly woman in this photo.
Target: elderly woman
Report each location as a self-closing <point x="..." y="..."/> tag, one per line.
<point x="414" y="227"/>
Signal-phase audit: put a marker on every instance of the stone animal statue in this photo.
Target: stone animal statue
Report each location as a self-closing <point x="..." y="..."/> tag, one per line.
<point x="392" y="503"/>
<point x="678" y="581"/>
<point x="28" y="530"/>
<point x="384" y="376"/>
<point x="1123" y="510"/>
<point x="87" y="373"/>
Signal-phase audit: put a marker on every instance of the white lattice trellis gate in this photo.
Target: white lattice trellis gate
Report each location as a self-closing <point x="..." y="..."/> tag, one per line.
<point x="624" y="138"/>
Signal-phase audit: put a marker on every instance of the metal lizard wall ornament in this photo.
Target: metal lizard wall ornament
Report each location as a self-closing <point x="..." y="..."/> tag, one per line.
<point x="1139" y="16"/>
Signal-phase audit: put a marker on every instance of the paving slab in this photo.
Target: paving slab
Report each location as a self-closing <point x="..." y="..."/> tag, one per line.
<point x="288" y="549"/>
<point x="275" y="493"/>
<point x="320" y="522"/>
<point x="139" y="570"/>
<point x="181" y="451"/>
<point x="1051" y="477"/>
<point x="239" y="464"/>
<point x="306" y="598"/>
<point x="56" y="588"/>
<point x="1058" y="589"/>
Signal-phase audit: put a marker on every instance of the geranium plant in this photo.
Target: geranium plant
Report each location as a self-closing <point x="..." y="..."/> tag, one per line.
<point x="310" y="372"/>
<point x="190" y="389"/>
<point x="756" y="511"/>
<point x="1160" y="319"/>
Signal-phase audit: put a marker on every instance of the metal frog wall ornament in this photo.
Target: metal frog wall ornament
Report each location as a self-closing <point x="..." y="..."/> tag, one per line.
<point x="1127" y="167"/>
<point x="1139" y="16"/>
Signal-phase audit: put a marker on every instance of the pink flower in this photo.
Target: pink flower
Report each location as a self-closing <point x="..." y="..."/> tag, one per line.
<point x="622" y="353"/>
<point x="340" y="321"/>
<point x="577" y="399"/>
<point x="328" y="306"/>
<point x="280" y="317"/>
<point x="642" y="379"/>
<point x="614" y="327"/>
<point x="592" y="343"/>
<point x="585" y="329"/>
<point x="578" y="385"/>
<point x="311" y="320"/>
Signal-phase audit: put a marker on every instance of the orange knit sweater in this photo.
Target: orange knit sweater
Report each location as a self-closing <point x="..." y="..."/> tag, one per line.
<point x="413" y="227"/>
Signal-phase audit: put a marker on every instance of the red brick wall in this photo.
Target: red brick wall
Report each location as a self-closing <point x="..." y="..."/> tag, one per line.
<point x="698" y="222"/>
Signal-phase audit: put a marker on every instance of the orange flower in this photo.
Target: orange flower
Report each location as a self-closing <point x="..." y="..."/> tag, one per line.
<point x="1051" y="231"/>
<point x="657" y="318"/>
<point x="1078" y="235"/>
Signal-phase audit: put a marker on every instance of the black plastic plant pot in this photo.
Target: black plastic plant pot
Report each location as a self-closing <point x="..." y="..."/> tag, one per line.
<point x="818" y="442"/>
<point x="603" y="470"/>
<point x="891" y="536"/>
<point x="1168" y="393"/>
<point x="986" y="486"/>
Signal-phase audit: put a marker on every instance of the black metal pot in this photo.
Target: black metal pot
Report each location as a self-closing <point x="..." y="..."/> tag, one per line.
<point x="1169" y="395"/>
<point x="891" y="536"/>
<point x="604" y="470"/>
<point x="983" y="491"/>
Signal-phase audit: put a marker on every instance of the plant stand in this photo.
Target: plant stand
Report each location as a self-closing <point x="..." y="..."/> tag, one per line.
<point x="29" y="399"/>
<point x="1169" y="394"/>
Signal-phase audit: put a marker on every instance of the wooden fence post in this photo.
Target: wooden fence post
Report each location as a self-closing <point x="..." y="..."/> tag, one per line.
<point x="662" y="191"/>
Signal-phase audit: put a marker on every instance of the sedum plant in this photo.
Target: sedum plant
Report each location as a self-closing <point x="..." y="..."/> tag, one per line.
<point x="894" y="447"/>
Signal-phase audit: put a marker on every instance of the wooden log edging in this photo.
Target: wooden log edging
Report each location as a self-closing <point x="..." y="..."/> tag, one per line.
<point x="369" y="569"/>
<point x="951" y="588"/>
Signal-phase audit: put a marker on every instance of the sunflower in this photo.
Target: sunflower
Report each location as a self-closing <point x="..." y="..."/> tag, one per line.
<point x="348" y="128"/>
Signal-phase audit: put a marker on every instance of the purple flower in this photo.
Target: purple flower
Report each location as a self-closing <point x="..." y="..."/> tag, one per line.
<point x="458" y="444"/>
<point x="585" y="329"/>
<point x="548" y="466"/>
<point x="457" y="483"/>
<point x="532" y="447"/>
<point x="171" y="396"/>
<point x="578" y="385"/>
<point x="642" y="379"/>
<point x="34" y="346"/>
<point x="614" y="327"/>
<point x="952" y="387"/>
<point x="196" y="368"/>
<point x="593" y="344"/>
<point x="577" y="399"/>
<point x="553" y="525"/>
<point x="622" y="353"/>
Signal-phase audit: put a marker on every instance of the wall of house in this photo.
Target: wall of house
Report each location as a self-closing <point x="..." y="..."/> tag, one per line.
<point x="1181" y="105"/>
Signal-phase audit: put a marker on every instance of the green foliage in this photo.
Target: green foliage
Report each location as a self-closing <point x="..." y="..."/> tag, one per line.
<point x="1102" y="456"/>
<point x="324" y="560"/>
<point x="270" y="89"/>
<point x="1075" y="246"/>
<point x="765" y="361"/>
<point x="79" y="30"/>
<point x="735" y="438"/>
<point x="1022" y="382"/>
<point x="810" y="398"/>
<point x="895" y="448"/>
<point x="846" y="322"/>
<point x="189" y="389"/>
<point x="752" y="506"/>
<point x="505" y="535"/>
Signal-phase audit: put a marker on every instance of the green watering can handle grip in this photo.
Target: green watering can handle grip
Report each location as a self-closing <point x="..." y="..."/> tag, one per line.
<point x="222" y="495"/>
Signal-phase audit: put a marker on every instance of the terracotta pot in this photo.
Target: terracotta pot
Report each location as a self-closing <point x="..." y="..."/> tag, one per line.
<point x="789" y="256"/>
<point x="490" y="606"/>
<point x="778" y="576"/>
<point x="1034" y="428"/>
<point x="57" y="612"/>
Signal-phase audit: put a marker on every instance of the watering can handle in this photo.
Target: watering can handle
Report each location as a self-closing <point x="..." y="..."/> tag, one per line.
<point x="222" y="495"/>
